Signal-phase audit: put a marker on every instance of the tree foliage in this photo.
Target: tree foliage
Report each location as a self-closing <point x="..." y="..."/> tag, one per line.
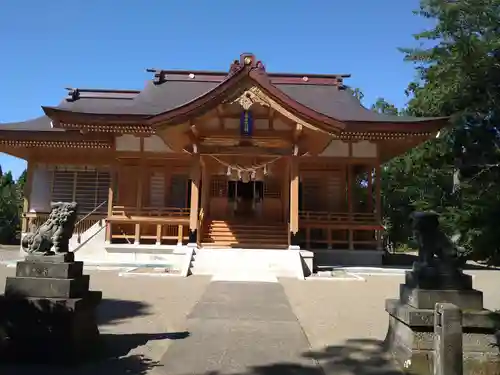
<point x="458" y="75"/>
<point x="11" y="193"/>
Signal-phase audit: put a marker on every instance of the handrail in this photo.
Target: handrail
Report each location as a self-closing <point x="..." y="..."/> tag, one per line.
<point x="79" y="235"/>
<point x="90" y="213"/>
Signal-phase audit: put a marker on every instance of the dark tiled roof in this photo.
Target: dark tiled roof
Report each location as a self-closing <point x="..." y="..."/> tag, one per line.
<point x="40" y="124"/>
<point x="337" y="103"/>
<point x="330" y="100"/>
<point x="179" y="88"/>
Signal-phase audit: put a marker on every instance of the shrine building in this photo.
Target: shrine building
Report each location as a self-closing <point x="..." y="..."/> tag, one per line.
<point x="243" y="159"/>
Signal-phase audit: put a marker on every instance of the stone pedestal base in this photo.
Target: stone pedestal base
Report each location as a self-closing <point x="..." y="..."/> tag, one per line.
<point x="410" y="339"/>
<point x="48" y="312"/>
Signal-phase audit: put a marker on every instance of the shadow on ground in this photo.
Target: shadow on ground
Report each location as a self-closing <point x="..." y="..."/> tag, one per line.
<point x="112" y="311"/>
<point x="111" y="358"/>
<point x="110" y="354"/>
<point x="356" y="357"/>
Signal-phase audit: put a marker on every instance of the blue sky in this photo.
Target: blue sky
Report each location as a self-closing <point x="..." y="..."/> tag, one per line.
<point x="49" y="45"/>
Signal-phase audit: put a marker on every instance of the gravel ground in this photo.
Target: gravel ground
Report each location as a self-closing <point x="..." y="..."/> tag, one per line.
<point x="344" y="320"/>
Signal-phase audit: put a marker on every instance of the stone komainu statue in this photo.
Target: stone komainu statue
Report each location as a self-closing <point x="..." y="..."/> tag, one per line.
<point x="436" y="250"/>
<point x="53" y="236"/>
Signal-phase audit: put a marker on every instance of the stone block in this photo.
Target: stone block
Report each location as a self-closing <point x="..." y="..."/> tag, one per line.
<point x="410" y="339"/>
<point x="56" y="258"/>
<point x="49" y="330"/>
<point x="437" y="280"/>
<point x="469" y="299"/>
<point x="49" y="270"/>
<point x="47" y="287"/>
<point x="473" y="320"/>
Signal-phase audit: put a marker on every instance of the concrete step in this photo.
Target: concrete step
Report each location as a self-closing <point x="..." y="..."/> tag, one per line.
<point x="282" y="263"/>
<point x="243" y="245"/>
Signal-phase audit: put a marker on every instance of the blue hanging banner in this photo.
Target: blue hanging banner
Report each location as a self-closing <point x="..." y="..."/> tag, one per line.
<point x="246" y="123"/>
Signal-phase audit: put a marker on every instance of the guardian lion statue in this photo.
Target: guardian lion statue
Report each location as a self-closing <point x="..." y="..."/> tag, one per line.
<point x="439" y="258"/>
<point x="53" y="236"/>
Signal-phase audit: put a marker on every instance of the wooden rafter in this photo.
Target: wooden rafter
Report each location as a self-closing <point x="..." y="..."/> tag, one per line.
<point x="220" y="116"/>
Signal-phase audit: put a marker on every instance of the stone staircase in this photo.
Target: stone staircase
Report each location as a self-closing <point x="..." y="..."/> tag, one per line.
<point x="247" y="264"/>
<point x="251" y="235"/>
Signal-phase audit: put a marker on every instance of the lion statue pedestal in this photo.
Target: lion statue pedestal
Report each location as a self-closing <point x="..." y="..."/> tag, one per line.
<point x="438" y="277"/>
<point x="48" y="312"/>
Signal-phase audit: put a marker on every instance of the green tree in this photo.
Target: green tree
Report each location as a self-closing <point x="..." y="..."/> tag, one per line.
<point x="459" y="76"/>
<point x="10" y="198"/>
<point x="384" y="107"/>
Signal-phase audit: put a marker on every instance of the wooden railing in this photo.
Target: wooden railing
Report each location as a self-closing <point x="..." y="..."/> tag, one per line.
<point x="340" y="229"/>
<point x="84" y="221"/>
<point x="148" y="225"/>
<point x="150" y="211"/>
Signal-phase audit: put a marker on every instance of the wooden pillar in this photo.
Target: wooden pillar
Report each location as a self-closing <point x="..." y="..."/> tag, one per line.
<point x="194" y="204"/>
<point x="286" y="194"/>
<point x="378" y="204"/>
<point x="350" y="232"/>
<point x="205" y="188"/>
<point x="370" y="189"/>
<point x="111" y="198"/>
<point x="28" y="187"/>
<point x="140" y="187"/>
<point x="205" y="196"/>
<point x="294" y="201"/>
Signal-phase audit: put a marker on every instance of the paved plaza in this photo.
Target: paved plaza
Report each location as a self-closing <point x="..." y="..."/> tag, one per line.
<point x="177" y="326"/>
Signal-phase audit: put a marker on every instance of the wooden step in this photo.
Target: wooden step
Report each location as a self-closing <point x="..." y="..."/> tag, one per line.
<point x="229" y="245"/>
<point x="246" y="239"/>
<point x="236" y="237"/>
<point x="247" y="227"/>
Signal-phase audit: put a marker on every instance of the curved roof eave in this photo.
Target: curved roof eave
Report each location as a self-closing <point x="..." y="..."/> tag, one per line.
<point x="216" y="96"/>
<point x="61" y="114"/>
<point x="428" y="124"/>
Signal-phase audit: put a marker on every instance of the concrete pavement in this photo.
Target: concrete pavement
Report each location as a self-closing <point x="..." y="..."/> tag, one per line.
<point x="172" y="325"/>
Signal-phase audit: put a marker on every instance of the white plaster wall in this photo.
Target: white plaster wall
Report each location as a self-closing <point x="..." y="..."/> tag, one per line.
<point x="40" y="191"/>
<point x="336" y="148"/>
<point x="364" y="149"/>
<point x="155" y="144"/>
<point x="128" y="142"/>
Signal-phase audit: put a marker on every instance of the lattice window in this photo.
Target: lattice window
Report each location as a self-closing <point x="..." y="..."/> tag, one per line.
<point x="102" y="190"/>
<point x="218" y="187"/>
<point x="311" y="194"/>
<point x="63" y="186"/>
<point x="85" y="190"/>
<point x="272" y="188"/>
<point x="88" y="188"/>
<point x="157" y="189"/>
<point x="335" y="191"/>
<point x="178" y="196"/>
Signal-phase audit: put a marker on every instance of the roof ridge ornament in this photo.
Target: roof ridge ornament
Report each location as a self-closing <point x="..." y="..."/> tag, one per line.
<point x="250" y="97"/>
<point x="73" y="94"/>
<point x="160" y="75"/>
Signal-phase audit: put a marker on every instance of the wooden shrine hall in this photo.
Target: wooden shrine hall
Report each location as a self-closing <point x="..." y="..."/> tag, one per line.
<point x="236" y="159"/>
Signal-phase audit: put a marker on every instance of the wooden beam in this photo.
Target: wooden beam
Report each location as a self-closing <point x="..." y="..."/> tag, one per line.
<point x="28" y="188"/>
<point x="195" y="185"/>
<point x="257" y="133"/>
<point x="349" y="205"/>
<point x="220" y="116"/>
<point x="378" y="203"/>
<point x="294" y="195"/>
<point x="297" y="133"/>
